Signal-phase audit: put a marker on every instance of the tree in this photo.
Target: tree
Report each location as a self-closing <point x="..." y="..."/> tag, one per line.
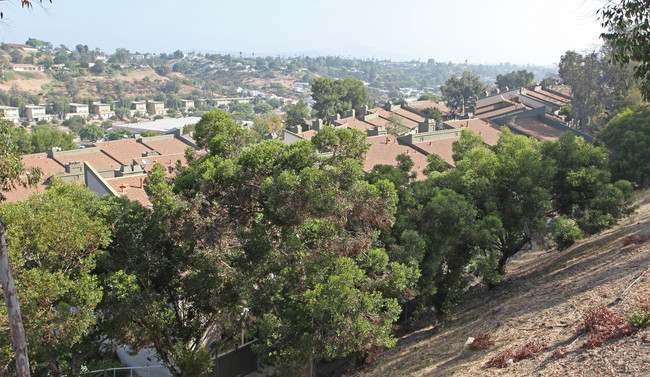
<point x="302" y="231"/>
<point x="296" y="114"/>
<point x="53" y="262"/>
<point x="267" y="123"/>
<point x="515" y="79"/>
<point x="430" y="97"/>
<point x="458" y="91"/>
<point x="599" y="89"/>
<point x="433" y="113"/>
<point x="11" y="171"/>
<point x="628" y="139"/>
<point x="338" y="96"/>
<point x="45" y="136"/>
<point x="91" y="132"/>
<point x="628" y="35"/>
<point x="119" y="134"/>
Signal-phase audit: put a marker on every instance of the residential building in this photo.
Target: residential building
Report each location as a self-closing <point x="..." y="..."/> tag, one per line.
<point x="102" y="110"/>
<point x="35" y="113"/>
<point x="9" y="113"/>
<point x="27" y="68"/>
<point x="156" y="108"/>
<point x="78" y="109"/>
<point x="187" y="104"/>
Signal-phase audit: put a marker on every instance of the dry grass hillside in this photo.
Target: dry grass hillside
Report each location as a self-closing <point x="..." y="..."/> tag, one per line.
<point x="544" y="297"/>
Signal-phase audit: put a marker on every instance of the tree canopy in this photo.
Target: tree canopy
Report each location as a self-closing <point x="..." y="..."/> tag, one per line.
<point x="457" y="91"/>
<point x="515" y="79"/>
<point x="628" y="33"/>
<point x="338" y="96"/>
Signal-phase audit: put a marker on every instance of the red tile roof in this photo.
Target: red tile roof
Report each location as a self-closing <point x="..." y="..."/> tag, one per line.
<point x="537" y="129"/>
<point x="421" y="105"/>
<point x="166" y="146"/>
<point x="98" y="160"/>
<point x="387" y="114"/>
<point x="307" y="134"/>
<point x="123" y="151"/>
<point x="488" y="130"/>
<point x="442" y="148"/>
<point x="384" y="149"/>
<point x="131" y="187"/>
<point x="356" y="124"/>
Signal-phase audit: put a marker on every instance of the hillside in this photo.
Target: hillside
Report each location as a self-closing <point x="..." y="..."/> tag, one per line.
<point x="543" y="297"/>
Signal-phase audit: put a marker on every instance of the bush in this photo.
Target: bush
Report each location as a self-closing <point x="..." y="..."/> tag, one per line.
<point x="481" y="342"/>
<point x="509" y="356"/>
<point x="602" y="324"/>
<point x="638" y="319"/>
<point x="565" y="232"/>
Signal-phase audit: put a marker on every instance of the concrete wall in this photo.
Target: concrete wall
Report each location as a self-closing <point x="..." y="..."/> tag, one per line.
<point x="96" y="183"/>
<point x="430" y="136"/>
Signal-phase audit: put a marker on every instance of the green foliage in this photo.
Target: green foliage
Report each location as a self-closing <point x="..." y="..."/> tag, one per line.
<point x="565" y="232"/>
<point x="296" y="114"/>
<point x="53" y="263"/>
<point x="148" y="133"/>
<point x="119" y="134"/>
<point x="301" y="226"/>
<point x="638" y="319"/>
<point x="430" y="97"/>
<point x="628" y="137"/>
<point x="627" y="33"/>
<point x="599" y="88"/>
<point x="91" y="132"/>
<point x="242" y="111"/>
<point x="433" y="113"/>
<point x="515" y="79"/>
<point x="75" y="123"/>
<point x="46" y="136"/>
<point x="338" y="96"/>
<point x="458" y="91"/>
<point x="11" y="166"/>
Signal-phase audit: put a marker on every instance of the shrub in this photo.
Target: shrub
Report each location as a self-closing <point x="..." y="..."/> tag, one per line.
<point x="638" y="319"/>
<point x="602" y="324"/>
<point x="636" y="239"/>
<point x="531" y="349"/>
<point x="508" y="356"/>
<point x="565" y="232"/>
<point x="501" y="360"/>
<point x="481" y="342"/>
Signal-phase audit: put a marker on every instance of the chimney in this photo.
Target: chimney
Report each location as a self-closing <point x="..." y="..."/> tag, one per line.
<point x="363" y="111"/>
<point x="427" y="126"/>
<point x="141" y="182"/>
<point x="387" y="140"/>
<point x="335" y="117"/>
<point x="350" y="113"/>
<point x="317" y="124"/>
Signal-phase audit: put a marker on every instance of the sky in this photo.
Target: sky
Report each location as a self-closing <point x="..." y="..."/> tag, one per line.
<point x="479" y="31"/>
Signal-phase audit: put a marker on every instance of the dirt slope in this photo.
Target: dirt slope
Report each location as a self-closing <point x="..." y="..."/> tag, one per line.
<point x="544" y="297"/>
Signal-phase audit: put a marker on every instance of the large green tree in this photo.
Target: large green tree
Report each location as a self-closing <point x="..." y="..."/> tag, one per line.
<point x="515" y="79"/>
<point x="628" y="33"/>
<point x="457" y="91"/>
<point x="296" y="114"/>
<point x="333" y="96"/>
<point x="301" y="227"/>
<point x="53" y="264"/>
<point x="628" y="137"/>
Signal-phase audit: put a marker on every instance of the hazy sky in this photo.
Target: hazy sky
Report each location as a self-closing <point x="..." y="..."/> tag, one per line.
<point x="481" y="31"/>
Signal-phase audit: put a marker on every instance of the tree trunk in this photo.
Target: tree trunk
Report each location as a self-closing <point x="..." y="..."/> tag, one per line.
<point x="13" y="309"/>
<point x="309" y="367"/>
